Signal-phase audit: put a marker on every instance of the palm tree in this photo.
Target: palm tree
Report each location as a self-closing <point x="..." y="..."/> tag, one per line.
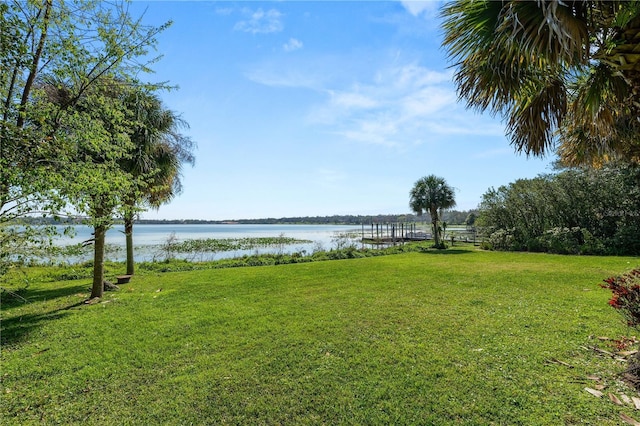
<point x="159" y="152"/>
<point x="432" y="193"/>
<point x="563" y="74"/>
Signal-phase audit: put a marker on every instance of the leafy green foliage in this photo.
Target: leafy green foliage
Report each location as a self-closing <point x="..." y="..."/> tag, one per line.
<point x="432" y="194"/>
<point x="625" y="296"/>
<point x="625" y="299"/>
<point x="62" y="130"/>
<point x="591" y="211"/>
<point x="155" y="160"/>
<point x="552" y="68"/>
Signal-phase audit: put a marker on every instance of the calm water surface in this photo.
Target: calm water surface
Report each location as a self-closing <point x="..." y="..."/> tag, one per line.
<point x="148" y="238"/>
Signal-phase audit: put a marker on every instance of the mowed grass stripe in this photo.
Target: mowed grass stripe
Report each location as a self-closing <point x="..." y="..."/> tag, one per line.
<point x="454" y="337"/>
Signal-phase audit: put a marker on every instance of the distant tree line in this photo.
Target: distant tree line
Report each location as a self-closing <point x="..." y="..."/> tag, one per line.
<point x="575" y="211"/>
<point x="453" y="217"/>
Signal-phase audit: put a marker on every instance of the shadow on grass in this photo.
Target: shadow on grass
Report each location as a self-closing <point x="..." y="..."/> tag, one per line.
<point x="16" y="327"/>
<point x="450" y="251"/>
<point x="9" y="301"/>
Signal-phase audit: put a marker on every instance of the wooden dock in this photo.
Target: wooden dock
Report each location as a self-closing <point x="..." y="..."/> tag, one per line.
<point x="392" y="233"/>
<point x="397" y="233"/>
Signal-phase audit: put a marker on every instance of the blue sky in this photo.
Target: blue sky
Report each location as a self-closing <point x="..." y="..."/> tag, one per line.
<point x="319" y="108"/>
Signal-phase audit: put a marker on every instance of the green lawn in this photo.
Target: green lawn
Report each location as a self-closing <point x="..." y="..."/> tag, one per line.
<point x="454" y="337"/>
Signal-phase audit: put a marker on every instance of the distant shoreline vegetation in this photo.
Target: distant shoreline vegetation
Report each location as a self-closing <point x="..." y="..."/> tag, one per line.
<point x="453" y="217"/>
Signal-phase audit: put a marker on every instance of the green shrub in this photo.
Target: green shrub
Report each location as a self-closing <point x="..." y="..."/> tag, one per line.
<point x="626" y="295"/>
<point x="486" y="245"/>
<point x="562" y="240"/>
<point x="625" y="240"/>
<point x="625" y="299"/>
<point x="591" y="244"/>
<point x="502" y="239"/>
<point x="536" y="245"/>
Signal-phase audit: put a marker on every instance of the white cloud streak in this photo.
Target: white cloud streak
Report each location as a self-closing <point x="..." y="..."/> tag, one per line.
<point x="283" y="78"/>
<point x="260" y="22"/>
<point x="399" y="106"/>
<point x="419" y="7"/>
<point x="352" y="100"/>
<point x="292" y="44"/>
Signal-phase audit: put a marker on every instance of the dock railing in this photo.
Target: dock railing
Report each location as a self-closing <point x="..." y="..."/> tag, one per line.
<point x="392" y="233"/>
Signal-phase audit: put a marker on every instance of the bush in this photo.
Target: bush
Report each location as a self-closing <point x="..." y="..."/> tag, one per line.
<point x="502" y="240"/>
<point x="561" y="240"/>
<point x="576" y="211"/>
<point x="558" y="240"/>
<point x="350" y="252"/>
<point x="591" y="245"/>
<point x="626" y="300"/>
<point x="626" y="295"/>
<point x="536" y="245"/>
<point x="626" y="240"/>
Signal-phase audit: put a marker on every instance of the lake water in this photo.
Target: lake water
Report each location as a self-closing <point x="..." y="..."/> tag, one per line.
<point x="148" y="239"/>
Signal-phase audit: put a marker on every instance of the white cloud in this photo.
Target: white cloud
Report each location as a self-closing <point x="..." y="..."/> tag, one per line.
<point x="426" y="101"/>
<point x="352" y="100"/>
<point x="224" y="11"/>
<point x="419" y="7"/>
<point x="292" y="44"/>
<point x="276" y="77"/>
<point x="294" y="71"/>
<point x="331" y="175"/>
<point x="373" y="132"/>
<point x="259" y="21"/>
<point x="412" y="75"/>
<point x="398" y="106"/>
<point x="401" y="106"/>
<point x="466" y="124"/>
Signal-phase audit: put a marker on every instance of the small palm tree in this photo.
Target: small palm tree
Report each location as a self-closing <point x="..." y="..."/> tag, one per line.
<point x="156" y="160"/>
<point x="432" y="193"/>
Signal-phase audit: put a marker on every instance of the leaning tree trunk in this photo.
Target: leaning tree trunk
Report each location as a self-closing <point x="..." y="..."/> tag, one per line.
<point x="128" y="232"/>
<point x="98" y="261"/>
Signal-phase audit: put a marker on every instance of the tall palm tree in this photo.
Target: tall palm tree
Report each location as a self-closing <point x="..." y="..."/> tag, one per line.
<point x="432" y="193"/>
<point x="564" y="74"/>
<point x="156" y="161"/>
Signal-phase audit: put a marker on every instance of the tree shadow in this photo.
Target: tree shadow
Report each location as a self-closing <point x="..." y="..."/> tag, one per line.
<point x="449" y="251"/>
<point x="27" y="295"/>
<point x="16" y="327"/>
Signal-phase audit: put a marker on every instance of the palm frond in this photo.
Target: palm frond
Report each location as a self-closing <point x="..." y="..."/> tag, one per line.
<point x="537" y="113"/>
<point x="160" y="149"/>
<point x="553" y="69"/>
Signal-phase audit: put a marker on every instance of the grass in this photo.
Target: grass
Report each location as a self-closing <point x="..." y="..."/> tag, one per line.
<point x="454" y="337"/>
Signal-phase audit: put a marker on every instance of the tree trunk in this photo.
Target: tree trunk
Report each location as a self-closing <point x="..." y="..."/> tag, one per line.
<point x="434" y="223"/>
<point x="33" y="69"/>
<point x="128" y="232"/>
<point x="98" y="261"/>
